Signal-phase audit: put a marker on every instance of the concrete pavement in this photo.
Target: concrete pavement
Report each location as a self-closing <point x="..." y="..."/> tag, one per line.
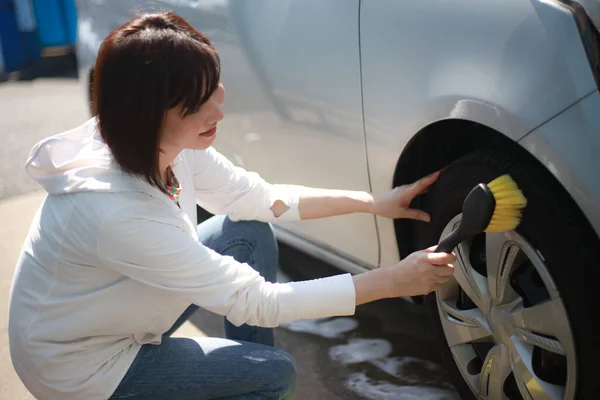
<point x="31" y="111"/>
<point x="16" y="214"/>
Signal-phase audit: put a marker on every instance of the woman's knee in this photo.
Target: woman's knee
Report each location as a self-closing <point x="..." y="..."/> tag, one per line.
<point x="250" y="242"/>
<point x="281" y="372"/>
<point x="220" y="232"/>
<point x="261" y="233"/>
<point x="259" y="236"/>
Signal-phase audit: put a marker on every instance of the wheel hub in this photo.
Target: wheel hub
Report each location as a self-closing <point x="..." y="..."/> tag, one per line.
<point x="498" y="335"/>
<point x="500" y="324"/>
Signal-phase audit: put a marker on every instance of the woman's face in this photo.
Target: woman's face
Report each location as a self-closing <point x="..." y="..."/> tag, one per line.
<point x="196" y="131"/>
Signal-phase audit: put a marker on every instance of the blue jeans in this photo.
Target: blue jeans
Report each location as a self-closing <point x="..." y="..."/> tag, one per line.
<point x="245" y="366"/>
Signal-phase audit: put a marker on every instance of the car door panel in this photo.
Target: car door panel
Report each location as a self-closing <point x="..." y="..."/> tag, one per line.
<point x="293" y="111"/>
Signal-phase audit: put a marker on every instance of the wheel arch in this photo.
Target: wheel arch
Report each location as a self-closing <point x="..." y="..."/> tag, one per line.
<point x="444" y="141"/>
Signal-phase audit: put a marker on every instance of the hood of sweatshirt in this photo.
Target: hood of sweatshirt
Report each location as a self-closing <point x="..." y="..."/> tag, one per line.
<point x="78" y="160"/>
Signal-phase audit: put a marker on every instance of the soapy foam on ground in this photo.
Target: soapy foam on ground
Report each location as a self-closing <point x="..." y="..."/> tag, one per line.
<point x="375" y="352"/>
<point x="396" y="366"/>
<point x="375" y="390"/>
<point x="360" y="350"/>
<point x="331" y="329"/>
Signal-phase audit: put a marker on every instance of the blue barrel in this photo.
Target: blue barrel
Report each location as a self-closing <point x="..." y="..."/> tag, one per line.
<point x="56" y="22"/>
<point x="10" y="38"/>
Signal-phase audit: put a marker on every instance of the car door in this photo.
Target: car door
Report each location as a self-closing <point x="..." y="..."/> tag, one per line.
<point x="291" y="69"/>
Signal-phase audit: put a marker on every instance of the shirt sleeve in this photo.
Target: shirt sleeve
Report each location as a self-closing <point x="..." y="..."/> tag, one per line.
<point x="162" y="255"/>
<point x="225" y="189"/>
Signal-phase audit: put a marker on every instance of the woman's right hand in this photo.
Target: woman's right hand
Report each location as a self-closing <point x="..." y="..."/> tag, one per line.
<point x="420" y="273"/>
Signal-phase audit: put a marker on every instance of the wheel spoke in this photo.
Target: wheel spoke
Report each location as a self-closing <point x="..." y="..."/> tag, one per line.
<point x="463" y="326"/>
<point x="496" y="368"/>
<point x="529" y="384"/>
<point x="501" y="260"/>
<point x="472" y="283"/>
<point x="544" y="325"/>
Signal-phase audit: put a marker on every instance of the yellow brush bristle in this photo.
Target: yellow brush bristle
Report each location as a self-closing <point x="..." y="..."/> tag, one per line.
<point x="510" y="202"/>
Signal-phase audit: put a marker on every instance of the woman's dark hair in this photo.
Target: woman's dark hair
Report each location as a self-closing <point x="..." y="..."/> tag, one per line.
<point x="151" y="64"/>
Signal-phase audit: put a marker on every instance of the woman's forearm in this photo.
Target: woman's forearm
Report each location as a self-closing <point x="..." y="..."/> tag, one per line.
<point x="373" y="285"/>
<point x="321" y="203"/>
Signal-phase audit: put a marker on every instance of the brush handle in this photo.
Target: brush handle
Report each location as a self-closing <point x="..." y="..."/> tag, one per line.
<point x="450" y="241"/>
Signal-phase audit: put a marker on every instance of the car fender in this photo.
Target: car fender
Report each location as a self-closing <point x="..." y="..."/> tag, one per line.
<point x="569" y="147"/>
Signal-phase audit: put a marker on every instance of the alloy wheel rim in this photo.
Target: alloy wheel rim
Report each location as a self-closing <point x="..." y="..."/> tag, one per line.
<point x="509" y="337"/>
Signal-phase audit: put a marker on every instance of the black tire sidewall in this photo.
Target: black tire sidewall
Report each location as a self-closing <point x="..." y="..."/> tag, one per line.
<point x="551" y="222"/>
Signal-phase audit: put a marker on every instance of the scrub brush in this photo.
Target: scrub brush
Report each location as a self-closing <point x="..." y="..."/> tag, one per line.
<point x="495" y="207"/>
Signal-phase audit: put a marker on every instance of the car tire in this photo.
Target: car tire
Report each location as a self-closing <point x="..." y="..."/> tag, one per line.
<point x="566" y="259"/>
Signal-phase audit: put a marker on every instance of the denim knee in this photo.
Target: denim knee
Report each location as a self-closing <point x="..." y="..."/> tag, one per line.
<point x="260" y="233"/>
<point x="260" y="238"/>
<point x="282" y="375"/>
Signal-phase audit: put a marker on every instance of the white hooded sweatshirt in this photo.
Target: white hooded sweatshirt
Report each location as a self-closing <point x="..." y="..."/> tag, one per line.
<point x="110" y="263"/>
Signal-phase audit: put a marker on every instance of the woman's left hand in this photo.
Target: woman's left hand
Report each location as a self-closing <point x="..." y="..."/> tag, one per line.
<point x="396" y="203"/>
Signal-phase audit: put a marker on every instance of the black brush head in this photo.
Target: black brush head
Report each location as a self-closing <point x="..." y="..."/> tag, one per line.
<point x="478" y="209"/>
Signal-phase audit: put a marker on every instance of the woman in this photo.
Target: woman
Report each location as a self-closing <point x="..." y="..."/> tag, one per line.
<point x="114" y="263"/>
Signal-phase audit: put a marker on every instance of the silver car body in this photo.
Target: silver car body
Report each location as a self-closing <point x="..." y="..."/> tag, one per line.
<point x="330" y="93"/>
